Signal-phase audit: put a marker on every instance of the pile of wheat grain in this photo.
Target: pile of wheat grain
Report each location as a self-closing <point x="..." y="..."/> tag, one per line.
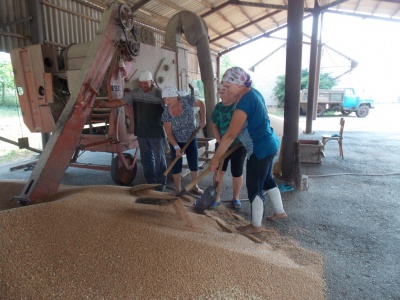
<point x="95" y="242"/>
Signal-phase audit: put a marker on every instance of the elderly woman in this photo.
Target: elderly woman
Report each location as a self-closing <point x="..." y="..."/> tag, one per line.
<point x="179" y="124"/>
<point x="251" y="122"/>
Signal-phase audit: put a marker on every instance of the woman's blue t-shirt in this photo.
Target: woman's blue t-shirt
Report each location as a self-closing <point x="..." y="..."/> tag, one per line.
<point x="257" y="135"/>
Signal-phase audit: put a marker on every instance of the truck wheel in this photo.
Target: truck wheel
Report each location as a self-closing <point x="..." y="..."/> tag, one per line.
<point x="362" y="111"/>
<point x="346" y="112"/>
<point x="119" y="174"/>
<point x="320" y="110"/>
<point x="302" y="111"/>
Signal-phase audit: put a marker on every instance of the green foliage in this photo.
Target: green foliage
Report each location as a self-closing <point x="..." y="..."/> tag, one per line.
<point x="8" y="99"/>
<point x="8" y="156"/>
<point x="7" y="86"/>
<point x="6" y="75"/>
<point x="326" y="81"/>
<point x="200" y="86"/>
<point x="226" y="63"/>
<point x="279" y="89"/>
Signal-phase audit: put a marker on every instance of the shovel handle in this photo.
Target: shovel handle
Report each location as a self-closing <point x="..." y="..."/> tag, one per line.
<point x="206" y="171"/>
<point x="182" y="151"/>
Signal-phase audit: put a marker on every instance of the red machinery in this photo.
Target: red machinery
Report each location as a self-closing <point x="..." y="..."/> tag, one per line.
<point x="57" y="95"/>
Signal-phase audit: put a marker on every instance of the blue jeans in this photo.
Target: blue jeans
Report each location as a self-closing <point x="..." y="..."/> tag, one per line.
<point x="152" y="156"/>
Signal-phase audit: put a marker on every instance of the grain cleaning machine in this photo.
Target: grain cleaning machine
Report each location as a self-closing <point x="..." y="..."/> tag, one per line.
<point x="57" y="91"/>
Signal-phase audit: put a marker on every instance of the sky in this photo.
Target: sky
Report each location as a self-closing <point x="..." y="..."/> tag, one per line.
<point x="373" y="44"/>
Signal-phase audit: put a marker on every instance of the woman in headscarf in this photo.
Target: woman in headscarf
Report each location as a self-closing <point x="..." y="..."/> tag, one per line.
<point x="220" y="120"/>
<point x="251" y="123"/>
<point x="179" y="124"/>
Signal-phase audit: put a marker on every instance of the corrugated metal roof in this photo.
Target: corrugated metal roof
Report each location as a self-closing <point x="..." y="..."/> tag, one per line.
<point x="230" y="22"/>
<point x="244" y="20"/>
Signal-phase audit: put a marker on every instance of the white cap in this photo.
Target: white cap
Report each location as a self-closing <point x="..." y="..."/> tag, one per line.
<point x="169" y="92"/>
<point x="145" y="76"/>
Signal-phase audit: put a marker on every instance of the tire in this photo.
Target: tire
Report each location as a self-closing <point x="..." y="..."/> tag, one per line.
<point x="346" y="112"/>
<point x="303" y="111"/>
<point x="362" y="111"/>
<point x="320" y="110"/>
<point x="119" y="174"/>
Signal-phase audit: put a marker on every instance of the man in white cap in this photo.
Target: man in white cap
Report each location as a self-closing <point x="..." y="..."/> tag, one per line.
<point x="148" y="107"/>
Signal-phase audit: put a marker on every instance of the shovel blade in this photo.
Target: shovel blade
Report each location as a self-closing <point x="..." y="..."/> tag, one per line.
<point x="205" y="200"/>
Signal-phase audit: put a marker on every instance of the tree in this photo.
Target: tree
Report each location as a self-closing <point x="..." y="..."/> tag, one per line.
<point x="326" y="81"/>
<point x="7" y="86"/>
<point x="226" y="63"/>
<point x="6" y="74"/>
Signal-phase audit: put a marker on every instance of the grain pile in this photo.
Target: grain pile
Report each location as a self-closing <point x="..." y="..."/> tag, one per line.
<point x="95" y="242"/>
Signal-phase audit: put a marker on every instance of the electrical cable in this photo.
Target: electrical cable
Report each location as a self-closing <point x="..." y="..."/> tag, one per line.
<point x="355" y="174"/>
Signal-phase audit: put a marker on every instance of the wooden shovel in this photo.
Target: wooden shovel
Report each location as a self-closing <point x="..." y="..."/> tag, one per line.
<point x="164" y="177"/>
<point x="209" y="194"/>
<point x="199" y="206"/>
<point x="142" y="187"/>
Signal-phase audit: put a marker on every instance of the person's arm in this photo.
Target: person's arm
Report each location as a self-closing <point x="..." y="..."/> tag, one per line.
<point x="112" y="104"/>
<point x="235" y="126"/>
<point x="171" y="138"/>
<point x="200" y="104"/>
<point x="215" y="131"/>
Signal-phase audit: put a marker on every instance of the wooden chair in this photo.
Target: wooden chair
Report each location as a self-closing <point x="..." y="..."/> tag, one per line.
<point x="337" y="137"/>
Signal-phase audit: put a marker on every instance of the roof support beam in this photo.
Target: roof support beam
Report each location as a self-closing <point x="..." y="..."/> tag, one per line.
<point x="363" y="16"/>
<point x="292" y="91"/>
<point x="8" y="24"/>
<point x="215" y="9"/>
<point x="139" y="4"/>
<point x="332" y="4"/>
<point x="244" y="26"/>
<point x="36" y="23"/>
<point x="255" y="4"/>
<point x="313" y="76"/>
<point x="252" y="40"/>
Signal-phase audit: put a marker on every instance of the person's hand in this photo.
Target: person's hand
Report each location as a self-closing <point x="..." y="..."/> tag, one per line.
<point x="179" y="152"/>
<point x="202" y="124"/>
<point x="214" y="164"/>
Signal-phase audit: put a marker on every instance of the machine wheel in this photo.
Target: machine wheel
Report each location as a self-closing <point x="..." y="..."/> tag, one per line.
<point x="148" y="36"/>
<point x="320" y="110"/>
<point x="303" y="111"/>
<point x="346" y="112"/>
<point x="125" y="16"/>
<point x="362" y="111"/>
<point x="119" y="174"/>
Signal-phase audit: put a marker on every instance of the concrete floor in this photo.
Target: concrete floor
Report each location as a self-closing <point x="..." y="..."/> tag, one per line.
<point x="350" y="212"/>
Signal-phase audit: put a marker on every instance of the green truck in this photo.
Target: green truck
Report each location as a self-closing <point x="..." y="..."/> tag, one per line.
<point x="344" y="100"/>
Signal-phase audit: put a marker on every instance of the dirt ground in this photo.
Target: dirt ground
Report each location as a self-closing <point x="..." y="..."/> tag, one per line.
<point x="350" y="212"/>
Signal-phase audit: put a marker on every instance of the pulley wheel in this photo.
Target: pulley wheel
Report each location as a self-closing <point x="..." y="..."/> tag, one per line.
<point x="133" y="48"/>
<point x="125" y="16"/>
